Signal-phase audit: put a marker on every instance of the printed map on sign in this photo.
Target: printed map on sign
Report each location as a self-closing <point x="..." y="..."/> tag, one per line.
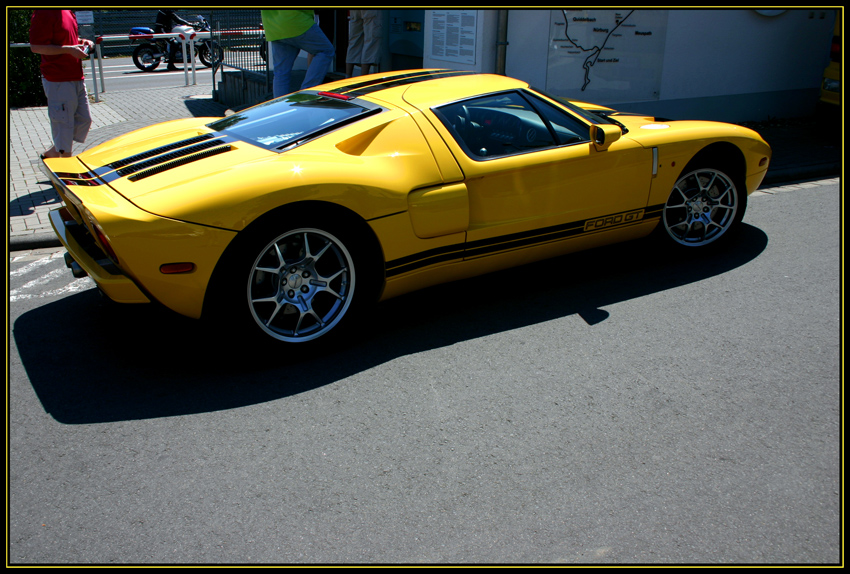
<point x="606" y="56"/>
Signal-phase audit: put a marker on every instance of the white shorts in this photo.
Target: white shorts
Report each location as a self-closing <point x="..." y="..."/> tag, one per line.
<point x="364" y="37"/>
<point x="68" y="110"/>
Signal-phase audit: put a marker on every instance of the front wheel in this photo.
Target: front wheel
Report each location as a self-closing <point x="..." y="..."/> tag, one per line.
<point x="704" y="205"/>
<point x="145" y="58"/>
<point x="210" y="54"/>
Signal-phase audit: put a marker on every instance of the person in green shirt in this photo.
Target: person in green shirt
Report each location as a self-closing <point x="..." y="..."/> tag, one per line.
<point x="289" y="32"/>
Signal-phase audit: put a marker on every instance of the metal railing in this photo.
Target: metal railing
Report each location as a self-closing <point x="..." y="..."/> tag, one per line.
<point x="91" y="57"/>
<point x="242" y="49"/>
<point x="187" y="42"/>
<point x="116" y="22"/>
<point x="240" y="33"/>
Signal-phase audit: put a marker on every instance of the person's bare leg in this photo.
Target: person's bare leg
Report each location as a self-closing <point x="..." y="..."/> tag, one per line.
<point x="51" y="153"/>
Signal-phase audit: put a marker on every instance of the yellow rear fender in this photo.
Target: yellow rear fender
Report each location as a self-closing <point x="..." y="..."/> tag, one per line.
<point x="227" y="279"/>
<point x="369" y="172"/>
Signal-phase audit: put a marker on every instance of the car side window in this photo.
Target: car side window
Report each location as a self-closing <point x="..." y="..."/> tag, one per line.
<point x="505" y="124"/>
<point x="567" y="129"/>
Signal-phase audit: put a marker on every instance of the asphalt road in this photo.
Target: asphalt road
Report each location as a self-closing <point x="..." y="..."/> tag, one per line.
<point x="623" y="406"/>
<point x="120" y="74"/>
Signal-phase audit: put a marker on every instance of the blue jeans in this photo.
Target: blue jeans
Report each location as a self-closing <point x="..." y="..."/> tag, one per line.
<point x="284" y="52"/>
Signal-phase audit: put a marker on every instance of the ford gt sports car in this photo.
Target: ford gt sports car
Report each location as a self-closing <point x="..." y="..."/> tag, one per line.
<point x="291" y="216"/>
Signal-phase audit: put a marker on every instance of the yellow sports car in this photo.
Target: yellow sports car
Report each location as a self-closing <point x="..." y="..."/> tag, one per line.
<point x="291" y="216"/>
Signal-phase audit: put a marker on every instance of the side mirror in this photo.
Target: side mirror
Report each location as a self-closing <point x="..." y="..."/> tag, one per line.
<point x="603" y="135"/>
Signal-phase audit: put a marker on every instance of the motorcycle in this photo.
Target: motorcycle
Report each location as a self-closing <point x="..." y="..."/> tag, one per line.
<point x="149" y="55"/>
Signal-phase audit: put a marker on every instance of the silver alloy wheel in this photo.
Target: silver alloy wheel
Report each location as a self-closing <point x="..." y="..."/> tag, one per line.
<point x="301" y="285"/>
<point x="701" y="207"/>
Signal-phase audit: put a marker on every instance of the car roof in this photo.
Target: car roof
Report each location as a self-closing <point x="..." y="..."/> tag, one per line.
<point x="423" y="88"/>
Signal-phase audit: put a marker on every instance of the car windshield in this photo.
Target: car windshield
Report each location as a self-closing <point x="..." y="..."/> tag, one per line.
<point x="290" y="120"/>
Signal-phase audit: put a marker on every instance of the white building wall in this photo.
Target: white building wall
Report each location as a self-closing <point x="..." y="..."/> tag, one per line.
<point x="720" y="52"/>
<point x="730" y="65"/>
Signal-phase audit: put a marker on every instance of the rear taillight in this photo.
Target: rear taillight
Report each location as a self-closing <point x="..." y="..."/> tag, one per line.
<point x="100" y="235"/>
<point x="103" y="240"/>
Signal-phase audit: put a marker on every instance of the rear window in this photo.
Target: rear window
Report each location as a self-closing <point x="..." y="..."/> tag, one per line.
<point x="287" y="121"/>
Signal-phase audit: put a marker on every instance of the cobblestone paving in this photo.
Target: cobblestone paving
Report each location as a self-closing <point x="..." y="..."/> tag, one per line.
<point x="31" y="196"/>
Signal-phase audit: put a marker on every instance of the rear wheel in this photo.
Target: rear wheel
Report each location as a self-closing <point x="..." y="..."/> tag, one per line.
<point x="300" y="280"/>
<point x="301" y="285"/>
<point x="704" y="206"/>
<point x="145" y="59"/>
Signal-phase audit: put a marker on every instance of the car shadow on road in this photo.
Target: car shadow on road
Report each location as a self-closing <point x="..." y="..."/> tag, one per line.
<point x="91" y="361"/>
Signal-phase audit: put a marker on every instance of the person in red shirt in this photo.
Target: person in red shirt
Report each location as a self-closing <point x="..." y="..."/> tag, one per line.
<point x="54" y="35"/>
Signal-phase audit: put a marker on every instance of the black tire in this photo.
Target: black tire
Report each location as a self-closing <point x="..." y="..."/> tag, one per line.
<point x="210" y="53"/>
<point x="300" y="282"/>
<point x="705" y="206"/>
<point x="144" y="58"/>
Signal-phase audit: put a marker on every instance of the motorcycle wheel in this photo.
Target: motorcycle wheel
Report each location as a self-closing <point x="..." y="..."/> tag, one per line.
<point x="145" y="59"/>
<point x="210" y="53"/>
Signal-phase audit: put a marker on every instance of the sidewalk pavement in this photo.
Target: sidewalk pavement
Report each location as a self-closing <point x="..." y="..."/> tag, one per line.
<point x="32" y="197"/>
<point x="801" y="150"/>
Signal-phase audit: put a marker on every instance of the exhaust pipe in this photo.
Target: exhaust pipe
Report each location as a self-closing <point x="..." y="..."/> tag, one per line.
<point x="75" y="268"/>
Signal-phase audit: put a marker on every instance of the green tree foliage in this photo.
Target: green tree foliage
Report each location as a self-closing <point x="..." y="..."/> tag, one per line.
<point x="23" y="77"/>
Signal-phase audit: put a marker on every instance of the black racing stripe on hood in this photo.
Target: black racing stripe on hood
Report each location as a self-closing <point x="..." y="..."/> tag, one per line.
<point x="152" y="161"/>
<point x="157" y="151"/>
<point x="179" y="162"/>
<point x="379" y="84"/>
<point x="169" y="157"/>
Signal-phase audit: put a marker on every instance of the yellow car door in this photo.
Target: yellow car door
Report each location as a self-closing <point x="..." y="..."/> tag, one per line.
<point x="535" y="177"/>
